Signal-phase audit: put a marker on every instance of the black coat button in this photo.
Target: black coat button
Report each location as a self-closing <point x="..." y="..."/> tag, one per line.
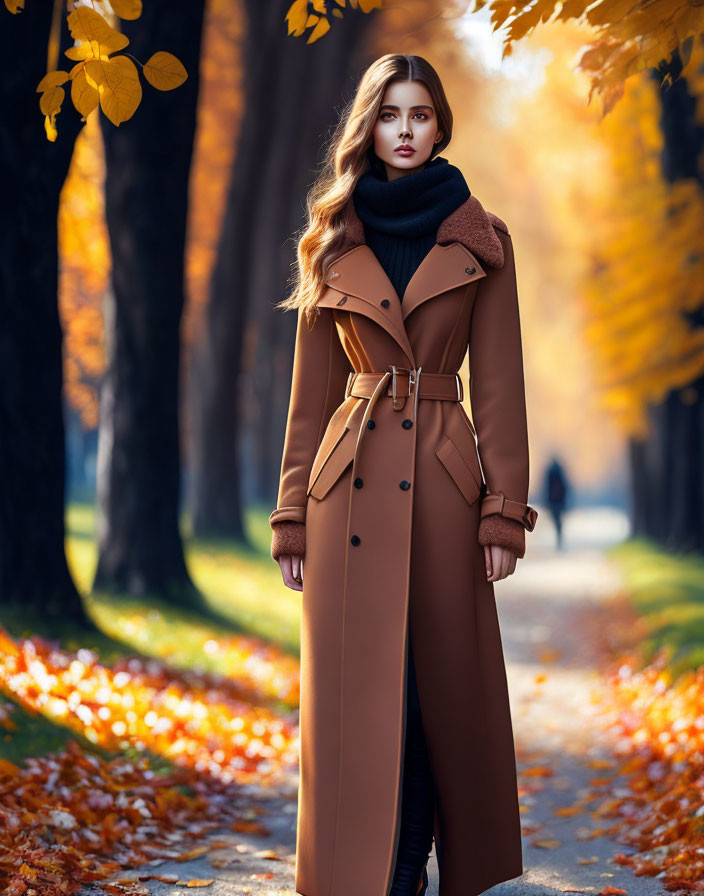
<point x="385" y="303"/>
<point x="342" y="300"/>
<point x="404" y="484"/>
<point x="468" y="271"/>
<point x="355" y="539"/>
<point x="371" y="424"/>
<point x="358" y="482"/>
<point x="407" y="424"/>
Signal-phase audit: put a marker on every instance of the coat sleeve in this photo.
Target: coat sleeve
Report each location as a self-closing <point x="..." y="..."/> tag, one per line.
<point x="497" y="396"/>
<point x="320" y="370"/>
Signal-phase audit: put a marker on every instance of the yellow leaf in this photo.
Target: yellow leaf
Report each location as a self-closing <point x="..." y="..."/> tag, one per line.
<point x="87" y="25"/>
<point x="14" y="6"/>
<point x="27" y="872"/>
<point x="547" y="844"/>
<point x="8" y="769"/>
<point x="50" y="101"/>
<point x="94" y="70"/>
<point x="51" y="131"/>
<point x="77" y="67"/>
<point x="266" y="854"/>
<point x="192" y="853"/>
<point x="81" y="52"/>
<point x="52" y="79"/>
<point x="164" y="71"/>
<point x="322" y="27"/>
<point x="296" y="17"/>
<point x="127" y="9"/>
<point x="117" y="82"/>
<point x="196" y="882"/>
<point x="85" y="97"/>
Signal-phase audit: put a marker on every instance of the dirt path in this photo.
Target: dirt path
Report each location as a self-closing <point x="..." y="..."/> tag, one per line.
<point x="542" y="609"/>
<point x="549" y="614"/>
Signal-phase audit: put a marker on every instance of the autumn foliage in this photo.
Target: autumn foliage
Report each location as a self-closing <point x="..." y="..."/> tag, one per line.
<point x="192" y="718"/>
<point x="74" y="817"/>
<point x="628" y="37"/>
<point x="658" y="728"/>
<point x="101" y="74"/>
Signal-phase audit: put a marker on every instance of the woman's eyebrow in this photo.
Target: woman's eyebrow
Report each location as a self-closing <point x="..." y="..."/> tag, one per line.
<point x="396" y="108"/>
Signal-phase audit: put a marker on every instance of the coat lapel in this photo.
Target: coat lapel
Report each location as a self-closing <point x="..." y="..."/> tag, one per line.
<point x="443" y="268"/>
<point x="359" y="283"/>
<point x="466" y="245"/>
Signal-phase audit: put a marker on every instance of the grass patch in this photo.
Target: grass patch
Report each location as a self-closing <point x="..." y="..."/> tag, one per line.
<point x="667" y="590"/>
<point x="241" y="583"/>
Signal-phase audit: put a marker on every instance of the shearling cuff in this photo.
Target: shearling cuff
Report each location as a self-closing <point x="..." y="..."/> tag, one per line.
<point x="497" y="529"/>
<point x="288" y="538"/>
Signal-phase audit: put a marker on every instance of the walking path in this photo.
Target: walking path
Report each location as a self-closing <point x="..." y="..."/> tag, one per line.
<point x="552" y="612"/>
<point x="549" y="611"/>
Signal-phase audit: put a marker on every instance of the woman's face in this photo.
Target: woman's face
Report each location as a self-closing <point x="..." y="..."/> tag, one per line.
<point x="406" y="119"/>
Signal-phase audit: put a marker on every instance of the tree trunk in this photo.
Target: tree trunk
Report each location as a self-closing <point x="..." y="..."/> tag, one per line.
<point x="237" y="401"/>
<point x="33" y="570"/>
<point x="139" y="469"/>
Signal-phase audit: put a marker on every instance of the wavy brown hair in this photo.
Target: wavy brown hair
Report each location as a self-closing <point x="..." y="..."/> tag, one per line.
<point x="346" y="158"/>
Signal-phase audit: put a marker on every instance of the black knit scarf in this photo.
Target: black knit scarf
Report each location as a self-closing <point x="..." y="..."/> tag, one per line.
<point x="413" y="205"/>
<point x="401" y="217"/>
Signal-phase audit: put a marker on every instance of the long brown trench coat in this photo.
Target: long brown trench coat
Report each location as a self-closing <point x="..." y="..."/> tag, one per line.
<point x="392" y="498"/>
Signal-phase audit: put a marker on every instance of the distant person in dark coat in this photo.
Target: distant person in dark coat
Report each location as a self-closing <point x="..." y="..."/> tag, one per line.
<point x="556" y="489"/>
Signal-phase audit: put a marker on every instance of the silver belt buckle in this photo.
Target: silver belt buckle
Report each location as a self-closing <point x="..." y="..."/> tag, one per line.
<point x="394" y="381"/>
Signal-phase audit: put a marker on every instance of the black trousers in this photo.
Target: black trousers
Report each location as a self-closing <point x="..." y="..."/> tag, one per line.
<point x="417" y="797"/>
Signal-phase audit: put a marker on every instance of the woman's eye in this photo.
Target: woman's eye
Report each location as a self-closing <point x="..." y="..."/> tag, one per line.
<point x="384" y="114"/>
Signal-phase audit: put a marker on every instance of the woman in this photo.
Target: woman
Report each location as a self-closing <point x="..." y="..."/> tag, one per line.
<point x="404" y="518"/>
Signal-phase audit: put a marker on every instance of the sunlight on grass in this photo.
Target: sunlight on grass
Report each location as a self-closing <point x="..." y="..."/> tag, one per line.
<point x="241" y="584"/>
<point x="667" y="590"/>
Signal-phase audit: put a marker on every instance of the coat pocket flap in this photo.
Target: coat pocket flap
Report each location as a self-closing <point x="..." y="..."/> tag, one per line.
<point x="328" y="470"/>
<point x="337" y="442"/>
<point x="457" y="467"/>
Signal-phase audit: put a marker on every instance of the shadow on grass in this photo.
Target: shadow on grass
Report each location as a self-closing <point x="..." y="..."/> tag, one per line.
<point x="240" y="586"/>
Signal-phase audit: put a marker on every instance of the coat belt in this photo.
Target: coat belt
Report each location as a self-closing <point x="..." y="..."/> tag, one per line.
<point x="401" y="383"/>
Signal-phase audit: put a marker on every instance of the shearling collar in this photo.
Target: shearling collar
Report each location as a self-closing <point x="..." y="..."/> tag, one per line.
<point x="469" y="224"/>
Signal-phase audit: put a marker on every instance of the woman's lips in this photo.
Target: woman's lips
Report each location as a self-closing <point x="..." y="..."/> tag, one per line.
<point x="405" y="151"/>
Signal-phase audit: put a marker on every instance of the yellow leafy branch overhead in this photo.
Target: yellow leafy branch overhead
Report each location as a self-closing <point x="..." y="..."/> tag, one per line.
<point x="100" y="76"/>
<point x="630" y="36"/>
<point x="313" y="15"/>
